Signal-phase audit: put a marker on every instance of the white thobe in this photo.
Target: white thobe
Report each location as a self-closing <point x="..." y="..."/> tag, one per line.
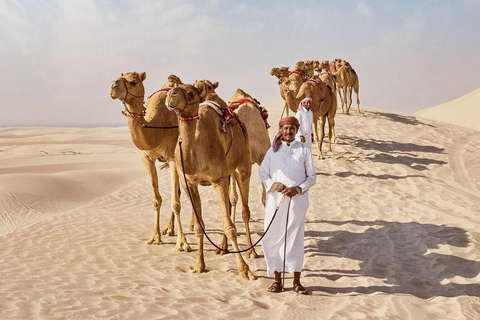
<point x="293" y="166"/>
<point x="305" y="117"/>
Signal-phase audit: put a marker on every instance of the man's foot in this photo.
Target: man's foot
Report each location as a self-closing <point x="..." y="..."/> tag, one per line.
<point x="275" y="287"/>
<point x="299" y="289"/>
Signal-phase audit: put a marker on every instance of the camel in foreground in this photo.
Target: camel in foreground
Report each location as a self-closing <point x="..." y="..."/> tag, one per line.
<point x="324" y="106"/>
<point x="253" y="117"/>
<point x="208" y="156"/>
<point x="152" y="143"/>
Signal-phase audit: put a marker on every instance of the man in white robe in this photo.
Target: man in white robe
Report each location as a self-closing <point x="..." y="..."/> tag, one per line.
<point x="287" y="170"/>
<point x="304" y="116"/>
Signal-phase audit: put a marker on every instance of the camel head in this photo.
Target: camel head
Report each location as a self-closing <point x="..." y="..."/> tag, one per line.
<point x="239" y="94"/>
<point x="172" y="80"/>
<point x="284" y="72"/>
<point x="316" y="64"/>
<point x="205" y="87"/>
<point x="287" y="86"/>
<point x="184" y="100"/>
<point x="275" y="72"/>
<point x="300" y="66"/>
<point x="128" y="85"/>
<point x="325" y="65"/>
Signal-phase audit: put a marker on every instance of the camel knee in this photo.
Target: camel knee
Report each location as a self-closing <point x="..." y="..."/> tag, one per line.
<point x="246" y="214"/>
<point x="231" y="233"/>
<point x="175" y="207"/>
<point x="157" y="203"/>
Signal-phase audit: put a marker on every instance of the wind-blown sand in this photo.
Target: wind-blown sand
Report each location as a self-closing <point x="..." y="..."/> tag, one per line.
<point x="392" y="231"/>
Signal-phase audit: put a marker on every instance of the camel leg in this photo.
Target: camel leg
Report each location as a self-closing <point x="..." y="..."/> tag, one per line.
<point x="182" y="244"/>
<point x="264" y="194"/>
<point x="192" y="222"/>
<point x="200" y="264"/>
<point x="221" y="189"/>
<point x="330" y="132"/>
<point x="322" y="135"/>
<point x="243" y="177"/>
<point x="358" y="99"/>
<point x="340" y="96"/>
<point x="315" y="133"/>
<point x="233" y="195"/>
<point x="349" y="99"/>
<point x="157" y="199"/>
<point x="285" y="107"/>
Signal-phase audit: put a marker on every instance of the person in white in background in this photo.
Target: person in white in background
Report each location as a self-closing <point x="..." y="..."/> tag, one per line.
<point x="304" y="116"/>
<point x="287" y="170"/>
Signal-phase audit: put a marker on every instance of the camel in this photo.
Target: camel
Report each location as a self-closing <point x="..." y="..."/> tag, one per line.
<point x="253" y="116"/>
<point x="325" y="75"/>
<point x="341" y="74"/>
<point x="153" y="143"/>
<point x="324" y="105"/>
<point x="172" y="80"/>
<point x="206" y="155"/>
<point x="352" y="85"/>
<point x="280" y="73"/>
<point x="309" y="67"/>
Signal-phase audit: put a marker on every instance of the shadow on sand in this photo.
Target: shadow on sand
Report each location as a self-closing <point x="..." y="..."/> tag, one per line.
<point x="399" y="254"/>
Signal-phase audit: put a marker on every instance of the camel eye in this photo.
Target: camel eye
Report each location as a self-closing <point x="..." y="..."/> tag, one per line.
<point x="191" y="95"/>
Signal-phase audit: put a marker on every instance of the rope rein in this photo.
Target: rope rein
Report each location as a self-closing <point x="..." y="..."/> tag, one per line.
<point x="198" y="219"/>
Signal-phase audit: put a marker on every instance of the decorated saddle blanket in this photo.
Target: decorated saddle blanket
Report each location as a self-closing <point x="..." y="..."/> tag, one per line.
<point x="226" y="114"/>
<point x="263" y="112"/>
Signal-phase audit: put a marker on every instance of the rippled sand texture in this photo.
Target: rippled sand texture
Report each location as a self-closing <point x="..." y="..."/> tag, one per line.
<point x="392" y="230"/>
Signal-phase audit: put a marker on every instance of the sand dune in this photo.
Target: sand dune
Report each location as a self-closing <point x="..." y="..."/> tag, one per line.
<point x="464" y="111"/>
<point x="392" y="231"/>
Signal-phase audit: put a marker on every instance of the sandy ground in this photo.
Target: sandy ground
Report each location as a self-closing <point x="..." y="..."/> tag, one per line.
<point x="392" y="231"/>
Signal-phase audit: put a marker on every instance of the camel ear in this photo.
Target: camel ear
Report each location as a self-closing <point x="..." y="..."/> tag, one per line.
<point x="121" y="74"/>
<point x="215" y="85"/>
<point x="142" y="76"/>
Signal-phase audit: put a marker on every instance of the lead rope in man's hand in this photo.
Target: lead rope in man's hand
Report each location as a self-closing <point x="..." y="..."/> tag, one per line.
<point x="285" y="245"/>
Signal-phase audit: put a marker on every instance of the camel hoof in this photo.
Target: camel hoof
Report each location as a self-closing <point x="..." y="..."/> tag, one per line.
<point x="168" y="231"/>
<point x="251" y="254"/>
<point x="155" y="240"/>
<point x="199" y="269"/>
<point x="321" y="157"/>
<point x="246" y="275"/>
<point x="183" y="247"/>
<point x="221" y="252"/>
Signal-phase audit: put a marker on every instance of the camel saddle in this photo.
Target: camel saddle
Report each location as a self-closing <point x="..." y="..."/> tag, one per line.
<point x="263" y="112"/>
<point x="225" y="114"/>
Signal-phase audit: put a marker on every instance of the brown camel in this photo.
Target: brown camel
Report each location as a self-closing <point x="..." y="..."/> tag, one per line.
<point x="207" y="155"/>
<point x="324" y="106"/>
<point x="253" y="116"/>
<point x="154" y="131"/>
<point x="352" y="85"/>
<point x="172" y="80"/>
<point x="324" y="74"/>
<point x="342" y="79"/>
<point x="280" y="73"/>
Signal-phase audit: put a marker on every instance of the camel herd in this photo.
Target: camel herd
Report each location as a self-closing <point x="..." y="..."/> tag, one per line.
<point x="207" y="141"/>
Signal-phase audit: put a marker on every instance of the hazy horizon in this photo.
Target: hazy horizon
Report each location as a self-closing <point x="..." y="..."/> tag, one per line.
<point x="58" y="58"/>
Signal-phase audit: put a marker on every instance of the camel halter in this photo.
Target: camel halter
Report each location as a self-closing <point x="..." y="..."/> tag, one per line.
<point x="198" y="218"/>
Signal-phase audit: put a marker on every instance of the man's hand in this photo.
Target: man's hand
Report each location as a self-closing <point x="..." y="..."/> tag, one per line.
<point x="279" y="187"/>
<point x="302" y="139"/>
<point x="291" y="192"/>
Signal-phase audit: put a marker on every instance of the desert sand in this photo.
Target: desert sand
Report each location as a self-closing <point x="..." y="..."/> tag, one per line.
<point x="392" y="231"/>
<point x="464" y="111"/>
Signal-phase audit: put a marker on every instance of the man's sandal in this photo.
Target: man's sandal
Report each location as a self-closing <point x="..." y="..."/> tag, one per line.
<point x="275" y="287"/>
<point x="299" y="289"/>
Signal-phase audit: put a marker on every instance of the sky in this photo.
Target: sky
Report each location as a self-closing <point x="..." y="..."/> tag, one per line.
<point x="59" y="58"/>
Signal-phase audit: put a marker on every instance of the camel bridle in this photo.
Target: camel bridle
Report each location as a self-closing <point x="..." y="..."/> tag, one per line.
<point x="127" y="113"/>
